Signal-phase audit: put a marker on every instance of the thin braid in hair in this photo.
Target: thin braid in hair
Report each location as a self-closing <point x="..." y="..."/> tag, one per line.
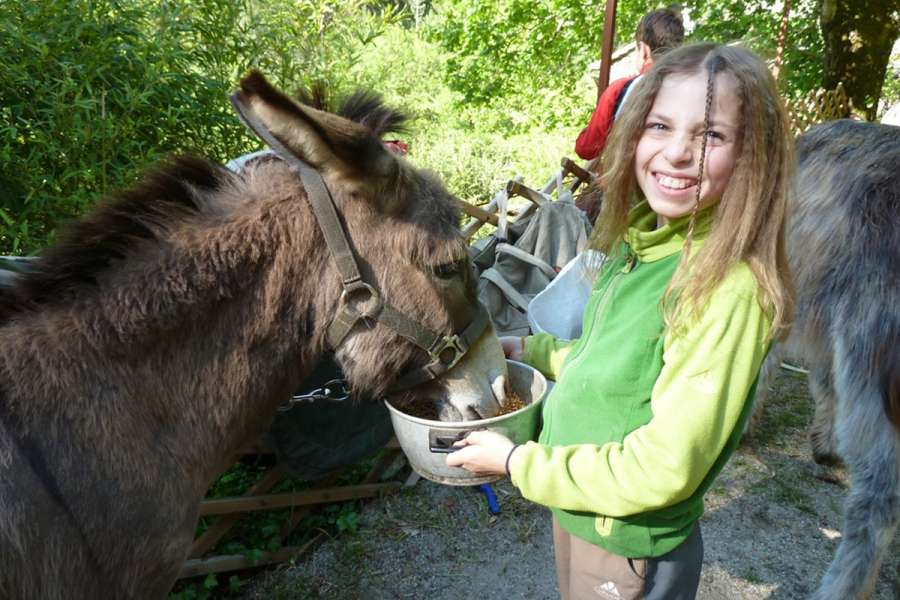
<point x="712" y="68"/>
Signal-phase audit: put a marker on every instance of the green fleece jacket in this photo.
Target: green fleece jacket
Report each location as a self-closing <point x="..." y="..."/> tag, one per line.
<point x="642" y="420"/>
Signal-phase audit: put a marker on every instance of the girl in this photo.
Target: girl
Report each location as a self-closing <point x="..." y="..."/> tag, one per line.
<point x="651" y="400"/>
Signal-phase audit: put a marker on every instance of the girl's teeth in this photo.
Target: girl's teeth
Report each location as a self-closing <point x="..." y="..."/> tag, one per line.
<point x="671" y="182"/>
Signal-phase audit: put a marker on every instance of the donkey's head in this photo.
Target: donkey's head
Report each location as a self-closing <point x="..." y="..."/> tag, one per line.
<point x="402" y="227"/>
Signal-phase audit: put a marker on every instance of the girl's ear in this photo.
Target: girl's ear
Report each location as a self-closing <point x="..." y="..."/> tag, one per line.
<point x="644" y="54"/>
<point x="326" y="141"/>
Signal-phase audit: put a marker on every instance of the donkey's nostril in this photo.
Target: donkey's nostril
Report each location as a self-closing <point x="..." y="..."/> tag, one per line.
<point x="473" y="414"/>
<point x="449" y="412"/>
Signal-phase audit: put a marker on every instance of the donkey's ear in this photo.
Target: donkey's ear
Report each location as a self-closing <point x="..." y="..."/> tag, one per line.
<point x="324" y="140"/>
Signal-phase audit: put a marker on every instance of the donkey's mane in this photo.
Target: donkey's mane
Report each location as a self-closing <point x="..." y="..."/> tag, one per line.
<point x="362" y="106"/>
<point x="166" y="195"/>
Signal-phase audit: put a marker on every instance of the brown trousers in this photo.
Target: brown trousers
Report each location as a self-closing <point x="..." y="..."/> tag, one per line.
<point x="588" y="572"/>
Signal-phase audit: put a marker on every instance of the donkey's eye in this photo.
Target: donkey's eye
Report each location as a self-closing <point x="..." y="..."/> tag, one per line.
<point x="448" y="270"/>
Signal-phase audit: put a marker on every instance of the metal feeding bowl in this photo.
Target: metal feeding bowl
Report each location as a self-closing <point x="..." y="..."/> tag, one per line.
<point x="426" y="442"/>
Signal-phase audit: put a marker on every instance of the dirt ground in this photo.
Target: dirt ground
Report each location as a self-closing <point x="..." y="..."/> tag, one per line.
<point x="771" y="525"/>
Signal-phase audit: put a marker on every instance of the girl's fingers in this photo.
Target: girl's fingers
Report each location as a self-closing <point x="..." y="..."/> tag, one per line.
<point x="512" y="346"/>
<point x="458" y="458"/>
<point x="474" y="437"/>
<point x="481" y="451"/>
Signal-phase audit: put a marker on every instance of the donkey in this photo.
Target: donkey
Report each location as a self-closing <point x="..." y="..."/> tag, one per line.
<point x="843" y="239"/>
<point x="162" y="332"/>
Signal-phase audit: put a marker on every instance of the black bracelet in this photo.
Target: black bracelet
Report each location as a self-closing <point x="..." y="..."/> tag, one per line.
<point x="508" y="456"/>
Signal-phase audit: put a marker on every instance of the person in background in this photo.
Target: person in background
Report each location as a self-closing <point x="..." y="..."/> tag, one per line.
<point x="651" y="400"/>
<point x="657" y="32"/>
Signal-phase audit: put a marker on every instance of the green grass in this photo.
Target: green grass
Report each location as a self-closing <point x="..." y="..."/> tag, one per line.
<point x="788" y="409"/>
<point x="751" y="575"/>
<point x="259" y="532"/>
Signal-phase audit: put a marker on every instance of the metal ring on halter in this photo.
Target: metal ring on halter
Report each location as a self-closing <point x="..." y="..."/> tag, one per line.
<point x="355" y="288"/>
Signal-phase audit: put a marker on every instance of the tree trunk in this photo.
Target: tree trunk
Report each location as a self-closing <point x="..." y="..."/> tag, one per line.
<point x="859" y="35"/>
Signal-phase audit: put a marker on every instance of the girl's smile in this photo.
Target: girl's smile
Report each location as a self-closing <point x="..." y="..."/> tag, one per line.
<point x="667" y="157"/>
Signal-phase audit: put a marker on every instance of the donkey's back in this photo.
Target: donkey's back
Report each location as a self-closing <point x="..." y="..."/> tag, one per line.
<point x="844" y="248"/>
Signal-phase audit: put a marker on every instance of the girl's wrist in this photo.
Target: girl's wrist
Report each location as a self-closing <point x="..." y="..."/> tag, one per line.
<point x="509" y="456"/>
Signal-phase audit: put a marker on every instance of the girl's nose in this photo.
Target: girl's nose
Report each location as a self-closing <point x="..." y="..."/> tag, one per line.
<point x="679" y="150"/>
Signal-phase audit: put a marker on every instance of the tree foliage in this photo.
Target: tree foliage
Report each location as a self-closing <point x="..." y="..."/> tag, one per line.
<point x="757" y="24"/>
<point x="859" y="35"/>
<point x="522" y="57"/>
<point x="92" y="91"/>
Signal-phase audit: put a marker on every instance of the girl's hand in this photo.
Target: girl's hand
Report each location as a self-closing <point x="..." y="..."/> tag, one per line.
<point x="482" y="452"/>
<point x="513" y="346"/>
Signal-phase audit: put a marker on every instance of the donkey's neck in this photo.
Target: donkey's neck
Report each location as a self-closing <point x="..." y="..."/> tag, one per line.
<point x="193" y="346"/>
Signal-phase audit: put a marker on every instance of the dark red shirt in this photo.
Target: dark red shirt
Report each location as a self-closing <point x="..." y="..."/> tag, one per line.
<point x="592" y="139"/>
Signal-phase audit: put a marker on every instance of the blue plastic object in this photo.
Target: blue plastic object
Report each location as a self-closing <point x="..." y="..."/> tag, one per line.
<point x="488" y="491"/>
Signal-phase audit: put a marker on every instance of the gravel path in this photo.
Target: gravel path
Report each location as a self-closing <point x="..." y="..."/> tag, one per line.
<point x="771" y="526"/>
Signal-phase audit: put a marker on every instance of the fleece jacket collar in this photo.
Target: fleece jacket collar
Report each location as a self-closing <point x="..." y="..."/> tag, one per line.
<point x="650" y="243"/>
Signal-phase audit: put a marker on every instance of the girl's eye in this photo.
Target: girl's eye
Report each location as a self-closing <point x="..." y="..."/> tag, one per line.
<point x="655" y="126"/>
<point x="714" y="135"/>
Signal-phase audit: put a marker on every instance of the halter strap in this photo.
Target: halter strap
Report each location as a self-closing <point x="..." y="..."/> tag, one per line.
<point x="443" y="350"/>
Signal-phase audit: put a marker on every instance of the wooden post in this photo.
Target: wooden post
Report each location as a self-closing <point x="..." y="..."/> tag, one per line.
<point x="609" y="34"/>
<point x="782" y="39"/>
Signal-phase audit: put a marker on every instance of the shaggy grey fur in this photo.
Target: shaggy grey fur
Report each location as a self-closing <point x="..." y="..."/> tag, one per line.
<point x="844" y="249"/>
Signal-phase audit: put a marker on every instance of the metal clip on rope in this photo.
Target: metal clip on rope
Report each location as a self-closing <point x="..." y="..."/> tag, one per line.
<point x="335" y="390"/>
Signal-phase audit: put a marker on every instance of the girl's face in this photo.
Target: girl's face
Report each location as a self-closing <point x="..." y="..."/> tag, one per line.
<point x="667" y="157"/>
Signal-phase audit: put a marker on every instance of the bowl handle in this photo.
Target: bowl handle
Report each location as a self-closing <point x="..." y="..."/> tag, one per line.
<point x="440" y="441"/>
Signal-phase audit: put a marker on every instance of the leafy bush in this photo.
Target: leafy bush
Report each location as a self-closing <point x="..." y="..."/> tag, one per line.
<point x="474" y="148"/>
<point x="757" y="23"/>
<point x="93" y="91"/>
<point x="519" y="58"/>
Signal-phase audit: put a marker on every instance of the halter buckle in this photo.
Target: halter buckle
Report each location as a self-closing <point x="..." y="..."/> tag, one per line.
<point x="449" y="352"/>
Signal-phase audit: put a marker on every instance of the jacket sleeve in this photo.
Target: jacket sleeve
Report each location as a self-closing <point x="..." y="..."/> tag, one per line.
<point x="546" y="354"/>
<point x="592" y="139"/>
<point x="696" y="402"/>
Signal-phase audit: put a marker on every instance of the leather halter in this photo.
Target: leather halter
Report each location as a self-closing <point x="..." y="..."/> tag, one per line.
<point x="444" y="351"/>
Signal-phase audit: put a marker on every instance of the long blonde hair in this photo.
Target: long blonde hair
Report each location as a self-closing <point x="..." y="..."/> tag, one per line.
<point x="749" y="219"/>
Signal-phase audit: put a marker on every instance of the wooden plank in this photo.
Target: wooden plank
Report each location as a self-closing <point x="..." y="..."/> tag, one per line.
<point x="222" y="506"/>
<point x="474" y="225"/>
<point x="477" y="212"/>
<point x="223" y="525"/>
<point x="581" y="175"/>
<point x="233" y="562"/>
<point x="388" y="458"/>
<point x="391" y="454"/>
<point x="514" y="188"/>
<point x="298" y="512"/>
